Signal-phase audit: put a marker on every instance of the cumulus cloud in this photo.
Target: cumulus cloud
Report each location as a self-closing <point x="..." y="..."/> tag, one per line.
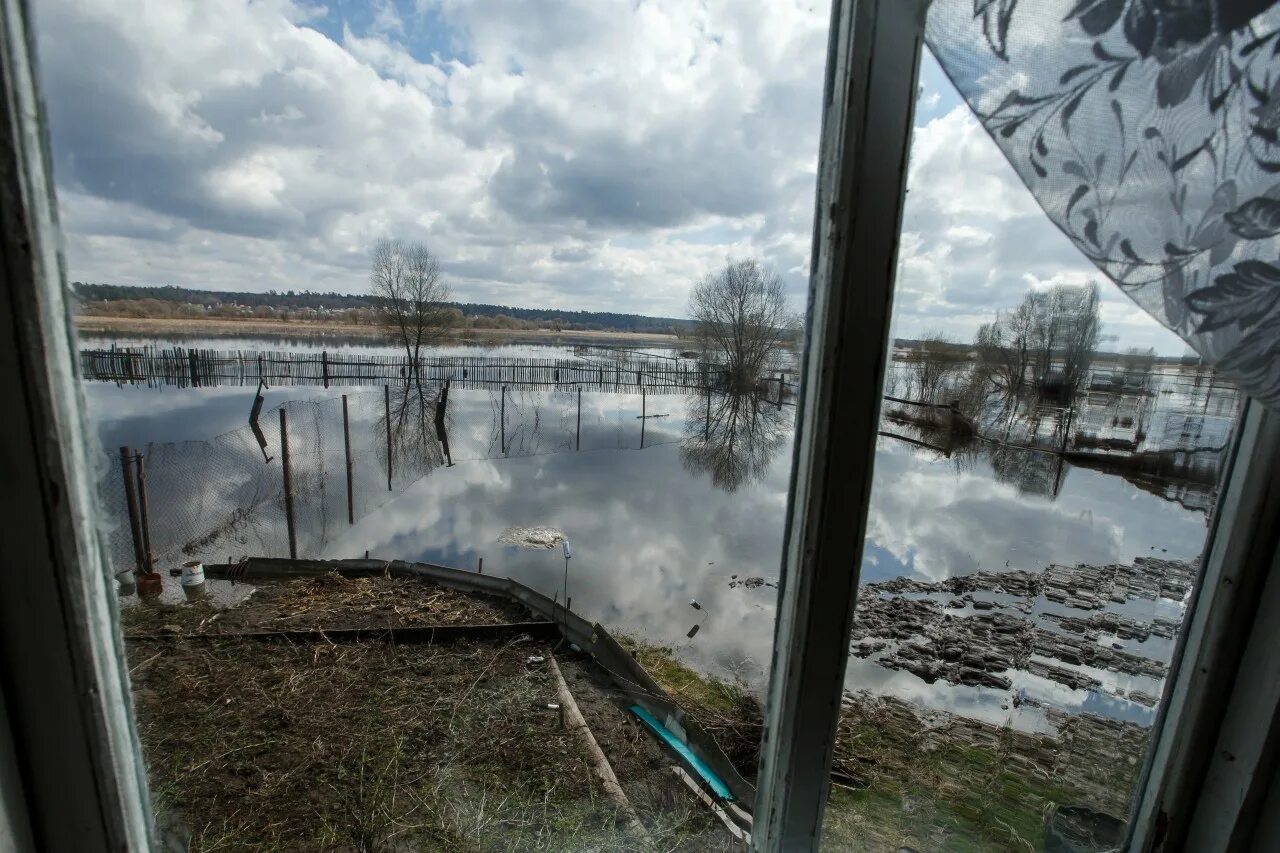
<point x="974" y="240"/>
<point x="573" y="153"/>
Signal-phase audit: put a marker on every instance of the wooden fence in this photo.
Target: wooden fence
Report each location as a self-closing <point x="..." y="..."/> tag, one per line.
<point x="197" y="368"/>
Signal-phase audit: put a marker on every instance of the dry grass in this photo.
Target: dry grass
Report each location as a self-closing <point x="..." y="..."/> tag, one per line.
<point x="254" y="745"/>
<point x="330" y="601"/>
<point x="257" y="745"/>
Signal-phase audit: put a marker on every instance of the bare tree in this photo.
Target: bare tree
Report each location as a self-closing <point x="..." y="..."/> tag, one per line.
<point x="742" y="319"/>
<point x="936" y="365"/>
<point x="405" y="276"/>
<point x="1052" y="336"/>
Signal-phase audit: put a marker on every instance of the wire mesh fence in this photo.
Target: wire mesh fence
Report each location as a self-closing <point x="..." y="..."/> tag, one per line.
<point x="226" y="496"/>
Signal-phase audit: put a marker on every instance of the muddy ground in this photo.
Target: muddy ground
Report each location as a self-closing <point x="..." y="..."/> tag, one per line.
<point x="1063" y="624"/>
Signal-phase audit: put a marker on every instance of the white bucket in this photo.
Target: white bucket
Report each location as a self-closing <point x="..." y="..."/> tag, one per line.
<point x="193" y="573"/>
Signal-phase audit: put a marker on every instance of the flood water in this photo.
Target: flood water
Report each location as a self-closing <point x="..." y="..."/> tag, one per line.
<point x="666" y="509"/>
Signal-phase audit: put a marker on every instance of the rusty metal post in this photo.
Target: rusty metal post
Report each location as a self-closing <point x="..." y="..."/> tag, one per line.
<point x="386" y="399"/>
<point x="346" y="443"/>
<point x="288" y="484"/>
<point x="143" y="521"/>
<point x="131" y="501"/>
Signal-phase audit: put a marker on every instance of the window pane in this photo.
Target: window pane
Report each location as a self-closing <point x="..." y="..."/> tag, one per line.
<point x="261" y="202"/>
<point x="1043" y="483"/>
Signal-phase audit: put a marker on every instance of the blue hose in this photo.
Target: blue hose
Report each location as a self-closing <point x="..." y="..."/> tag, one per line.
<point x="718" y="787"/>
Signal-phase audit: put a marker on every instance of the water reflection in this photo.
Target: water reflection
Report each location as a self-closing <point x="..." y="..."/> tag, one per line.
<point x="733" y="437"/>
<point x="671" y="498"/>
<point x="416" y="430"/>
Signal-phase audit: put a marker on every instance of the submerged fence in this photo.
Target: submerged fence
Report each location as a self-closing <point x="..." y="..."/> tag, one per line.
<point x="284" y="486"/>
<point x="295" y="480"/>
<point x="197" y="368"/>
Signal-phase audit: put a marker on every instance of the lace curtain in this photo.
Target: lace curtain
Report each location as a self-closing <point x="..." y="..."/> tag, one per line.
<point x="1149" y="131"/>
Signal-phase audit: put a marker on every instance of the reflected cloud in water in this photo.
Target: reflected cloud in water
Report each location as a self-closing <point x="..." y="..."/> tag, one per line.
<point x="703" y="501"/>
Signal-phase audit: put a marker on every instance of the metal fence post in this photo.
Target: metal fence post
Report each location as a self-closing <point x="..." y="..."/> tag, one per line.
<point x="346" y="443"/>
<point x="131" y="501"/>
<point x="502" y="420"/>
<point x="578" y="439"/>
<point x="386" y="400"/>
<point x="288" y="483"/>
<point x="143" y="521"/>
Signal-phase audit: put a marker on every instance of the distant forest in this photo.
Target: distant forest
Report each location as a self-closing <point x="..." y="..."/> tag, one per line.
<point x="150" y="301"/>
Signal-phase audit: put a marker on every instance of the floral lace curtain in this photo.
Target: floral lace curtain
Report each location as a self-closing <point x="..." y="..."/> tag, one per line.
<point x="1149" y="131"/>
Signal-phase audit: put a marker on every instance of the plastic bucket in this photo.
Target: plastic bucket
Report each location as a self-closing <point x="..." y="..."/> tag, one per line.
<point x="193" y="573"/>
<point x="193" y="579"/>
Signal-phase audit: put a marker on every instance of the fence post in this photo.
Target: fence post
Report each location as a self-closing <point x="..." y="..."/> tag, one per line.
<point x="578" y="440"/>
<point x="288" y="484"/>
<point x="1066" y="432"/>
<point x="643" y="416"/>
<point x="386" y="399"/>
<point x="143" y="520"/>
<point x="442" y="402"/>
<point x="502" y="421"/>
<point x="324" y="367"/>
<point x="779" y="390"/>
<point x="706" y="425"/>
<point x="195" y="370"/>
<point x="131" y="501"/>
<point x="346" y="443"/>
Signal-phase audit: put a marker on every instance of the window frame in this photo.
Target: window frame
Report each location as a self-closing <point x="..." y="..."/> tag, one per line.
<point x="71" y="770"/>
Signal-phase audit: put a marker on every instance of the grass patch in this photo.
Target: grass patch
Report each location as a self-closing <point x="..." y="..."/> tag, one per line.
<point x="930" y="780"/>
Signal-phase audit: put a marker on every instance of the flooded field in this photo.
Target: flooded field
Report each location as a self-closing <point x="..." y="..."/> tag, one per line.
<point x="1004" y="586"/>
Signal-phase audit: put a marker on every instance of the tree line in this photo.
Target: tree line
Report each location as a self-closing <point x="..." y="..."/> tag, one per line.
<point x="170" y="301"/>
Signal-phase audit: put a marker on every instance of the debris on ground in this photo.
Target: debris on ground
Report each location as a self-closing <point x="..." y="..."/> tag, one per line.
<point x="532" y="537"/>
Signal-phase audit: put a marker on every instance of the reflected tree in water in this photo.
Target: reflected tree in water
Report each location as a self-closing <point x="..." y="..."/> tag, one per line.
<point x="418" y="441"/>
<point x="732" y="437"/>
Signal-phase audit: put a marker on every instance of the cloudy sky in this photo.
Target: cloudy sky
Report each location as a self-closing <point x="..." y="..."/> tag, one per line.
<point x="572" y="153"/>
